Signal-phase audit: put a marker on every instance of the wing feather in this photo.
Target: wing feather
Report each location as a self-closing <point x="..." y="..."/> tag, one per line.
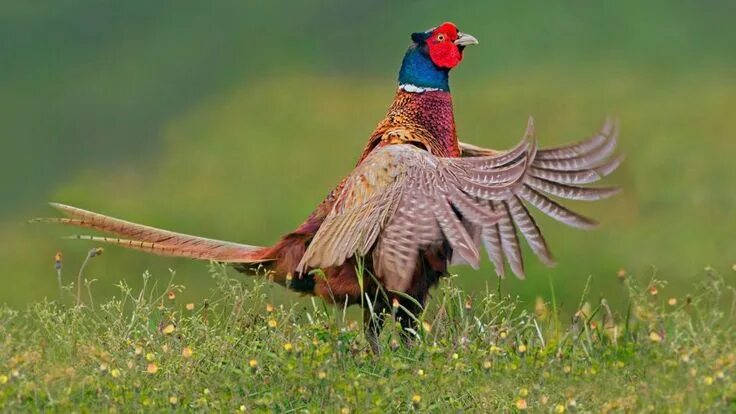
<point x="509" y="240"/>
<point x="610" y="128"/>
<point x="528" y="227"/>
<point x="402" y="199"/>
<point x="562" y="172"/>
<point x="492" y="242"/>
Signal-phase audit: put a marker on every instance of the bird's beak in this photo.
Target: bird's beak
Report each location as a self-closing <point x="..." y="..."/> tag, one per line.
<point x="464" y="39"/>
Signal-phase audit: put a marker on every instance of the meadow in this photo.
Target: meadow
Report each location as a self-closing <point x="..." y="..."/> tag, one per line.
<point x="234" y="120"/>
<point x="235" y="351"/>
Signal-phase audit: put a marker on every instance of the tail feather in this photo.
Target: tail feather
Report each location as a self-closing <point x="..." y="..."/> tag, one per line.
<point x="154" y="240"/>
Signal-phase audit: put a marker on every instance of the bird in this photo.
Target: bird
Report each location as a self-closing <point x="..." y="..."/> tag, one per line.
<point x="418" y="201"/>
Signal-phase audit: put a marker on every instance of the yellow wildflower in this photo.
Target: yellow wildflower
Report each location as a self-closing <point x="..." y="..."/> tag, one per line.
<point x="3" y="379"/>
<point x="186" y="352"/>
<point x="672" y="301"/>
<point x="559" y="408"/>
<point x="272" y="323"/>
<point x="169" y="329"/>
<point x="521" y="404"/>
<point x="655" y="337"/>
<point x="171" y="295"/>
<point x="173" y="400"/>
<point x="427" y="327"/>
<point x="115" y="373"/>
<point x="288" y="347"/>
<point x="190" y="306"/>
<point x="416" y="399"/>
<point x="253" y="363"/>
<point x="269" y="308"/>
<point x="321" y="375"/>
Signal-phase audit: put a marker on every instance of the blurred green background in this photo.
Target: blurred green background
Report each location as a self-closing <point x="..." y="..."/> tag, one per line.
<point x="233" y="120"/>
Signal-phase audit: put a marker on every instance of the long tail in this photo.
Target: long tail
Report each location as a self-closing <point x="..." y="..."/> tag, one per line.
<point x="153" y="240"/>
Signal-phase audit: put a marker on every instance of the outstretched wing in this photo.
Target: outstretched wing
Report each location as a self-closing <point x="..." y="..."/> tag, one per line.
<point x="401" y="199"/>
<point x="561" y="172"/>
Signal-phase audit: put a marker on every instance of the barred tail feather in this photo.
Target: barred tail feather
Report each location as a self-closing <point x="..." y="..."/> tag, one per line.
<point x="153" y="240"/>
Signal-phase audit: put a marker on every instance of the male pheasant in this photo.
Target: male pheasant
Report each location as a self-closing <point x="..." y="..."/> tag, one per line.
<point x="417" y="201"/>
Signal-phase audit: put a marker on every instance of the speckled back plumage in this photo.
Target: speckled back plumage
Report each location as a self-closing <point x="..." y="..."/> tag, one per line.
<point x="422" y="119"/>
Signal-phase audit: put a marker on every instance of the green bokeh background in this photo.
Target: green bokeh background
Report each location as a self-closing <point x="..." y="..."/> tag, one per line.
<point x="232" y="120"/>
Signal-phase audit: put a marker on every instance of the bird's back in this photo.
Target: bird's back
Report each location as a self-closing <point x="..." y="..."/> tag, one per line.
<point x="424" y="119"/>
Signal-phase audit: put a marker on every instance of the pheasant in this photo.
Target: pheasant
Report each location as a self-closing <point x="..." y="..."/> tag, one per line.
<point x="417" y="201"/>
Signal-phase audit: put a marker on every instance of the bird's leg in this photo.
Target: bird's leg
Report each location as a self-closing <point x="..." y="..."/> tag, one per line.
<point x="373" y="322"/>
<point x="407" y="314"/>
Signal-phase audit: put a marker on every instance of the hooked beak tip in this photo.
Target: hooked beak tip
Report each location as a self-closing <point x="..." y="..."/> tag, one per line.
<point x="465" y="39"/>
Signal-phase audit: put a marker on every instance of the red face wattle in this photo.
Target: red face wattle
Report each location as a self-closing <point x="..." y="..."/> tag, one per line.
<point x="442" y="48"/>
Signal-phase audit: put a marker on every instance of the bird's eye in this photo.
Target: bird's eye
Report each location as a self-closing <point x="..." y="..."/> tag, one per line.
<point x="440" y="37"/>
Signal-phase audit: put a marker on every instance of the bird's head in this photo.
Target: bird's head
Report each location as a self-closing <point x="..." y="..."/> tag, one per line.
<point x="431" y="56"/>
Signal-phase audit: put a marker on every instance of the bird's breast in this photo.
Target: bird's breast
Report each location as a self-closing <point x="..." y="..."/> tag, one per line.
<point x="426" y="118"/>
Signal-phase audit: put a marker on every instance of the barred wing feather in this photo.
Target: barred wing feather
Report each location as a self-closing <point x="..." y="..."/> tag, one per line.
<point x="402" y="199"/>
<point x="561" y="172"/>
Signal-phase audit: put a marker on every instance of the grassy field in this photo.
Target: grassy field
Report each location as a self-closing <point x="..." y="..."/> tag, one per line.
<point x="147" y="350"/>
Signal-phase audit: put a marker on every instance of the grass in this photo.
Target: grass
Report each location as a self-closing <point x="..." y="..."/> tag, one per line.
<point x="145" y="350"/>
